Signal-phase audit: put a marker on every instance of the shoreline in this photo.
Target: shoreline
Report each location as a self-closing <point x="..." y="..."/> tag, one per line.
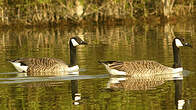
<point x="153" y="20"/>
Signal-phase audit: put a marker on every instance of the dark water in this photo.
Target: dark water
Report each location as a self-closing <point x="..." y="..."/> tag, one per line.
<point x="92" y="86"/>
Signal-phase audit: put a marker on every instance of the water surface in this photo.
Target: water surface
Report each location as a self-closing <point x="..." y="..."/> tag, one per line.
<point x="137" y="42"/>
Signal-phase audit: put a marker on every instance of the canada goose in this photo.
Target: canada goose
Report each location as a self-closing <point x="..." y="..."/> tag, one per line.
<point x="49" y="66"/>
<point x="146" y="67"/>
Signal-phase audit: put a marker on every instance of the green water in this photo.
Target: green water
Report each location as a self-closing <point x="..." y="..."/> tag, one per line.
<point x="138" y="42"/>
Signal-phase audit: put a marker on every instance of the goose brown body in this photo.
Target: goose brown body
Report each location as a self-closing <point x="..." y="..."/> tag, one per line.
<point x="43" y="65"/>
<point x="139" y="68"/>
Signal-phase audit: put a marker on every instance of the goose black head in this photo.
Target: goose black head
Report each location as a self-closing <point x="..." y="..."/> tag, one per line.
<point x="179" y="42"/>
<point x="75" y="41"/>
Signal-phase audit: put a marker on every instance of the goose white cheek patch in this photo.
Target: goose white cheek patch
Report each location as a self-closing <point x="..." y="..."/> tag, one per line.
<point x="73" y="41"/>
<point x="178" y="43"/>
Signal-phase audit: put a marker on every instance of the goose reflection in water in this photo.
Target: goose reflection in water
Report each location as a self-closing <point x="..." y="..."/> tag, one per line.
<point x="141" y="83"/>
<point x="149" y="83"/>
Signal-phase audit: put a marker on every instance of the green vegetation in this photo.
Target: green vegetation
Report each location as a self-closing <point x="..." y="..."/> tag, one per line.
<point x="65" y="12"/>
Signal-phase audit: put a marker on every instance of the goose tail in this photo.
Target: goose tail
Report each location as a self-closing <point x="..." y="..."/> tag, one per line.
<point x="19" y="66"/>
<point x="112" y="71"/>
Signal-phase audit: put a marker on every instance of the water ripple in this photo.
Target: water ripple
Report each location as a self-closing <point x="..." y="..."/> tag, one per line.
<point x="55" y="78"/>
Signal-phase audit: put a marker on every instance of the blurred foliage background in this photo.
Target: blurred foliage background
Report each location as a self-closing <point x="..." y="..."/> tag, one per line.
<point x="65" y="12"/>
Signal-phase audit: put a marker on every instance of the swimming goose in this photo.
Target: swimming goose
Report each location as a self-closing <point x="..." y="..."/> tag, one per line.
<point x="49" y="66"/>
<point x="146" y="67"/>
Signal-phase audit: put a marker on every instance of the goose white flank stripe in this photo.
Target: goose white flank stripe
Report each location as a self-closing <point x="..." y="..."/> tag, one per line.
<point x="73" y="68"/>
<point x="176" y="70"/>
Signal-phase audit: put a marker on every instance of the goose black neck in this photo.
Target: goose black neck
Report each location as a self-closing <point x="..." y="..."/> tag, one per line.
<point x="176" y="53"/>
<point x="72" y="55"/>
